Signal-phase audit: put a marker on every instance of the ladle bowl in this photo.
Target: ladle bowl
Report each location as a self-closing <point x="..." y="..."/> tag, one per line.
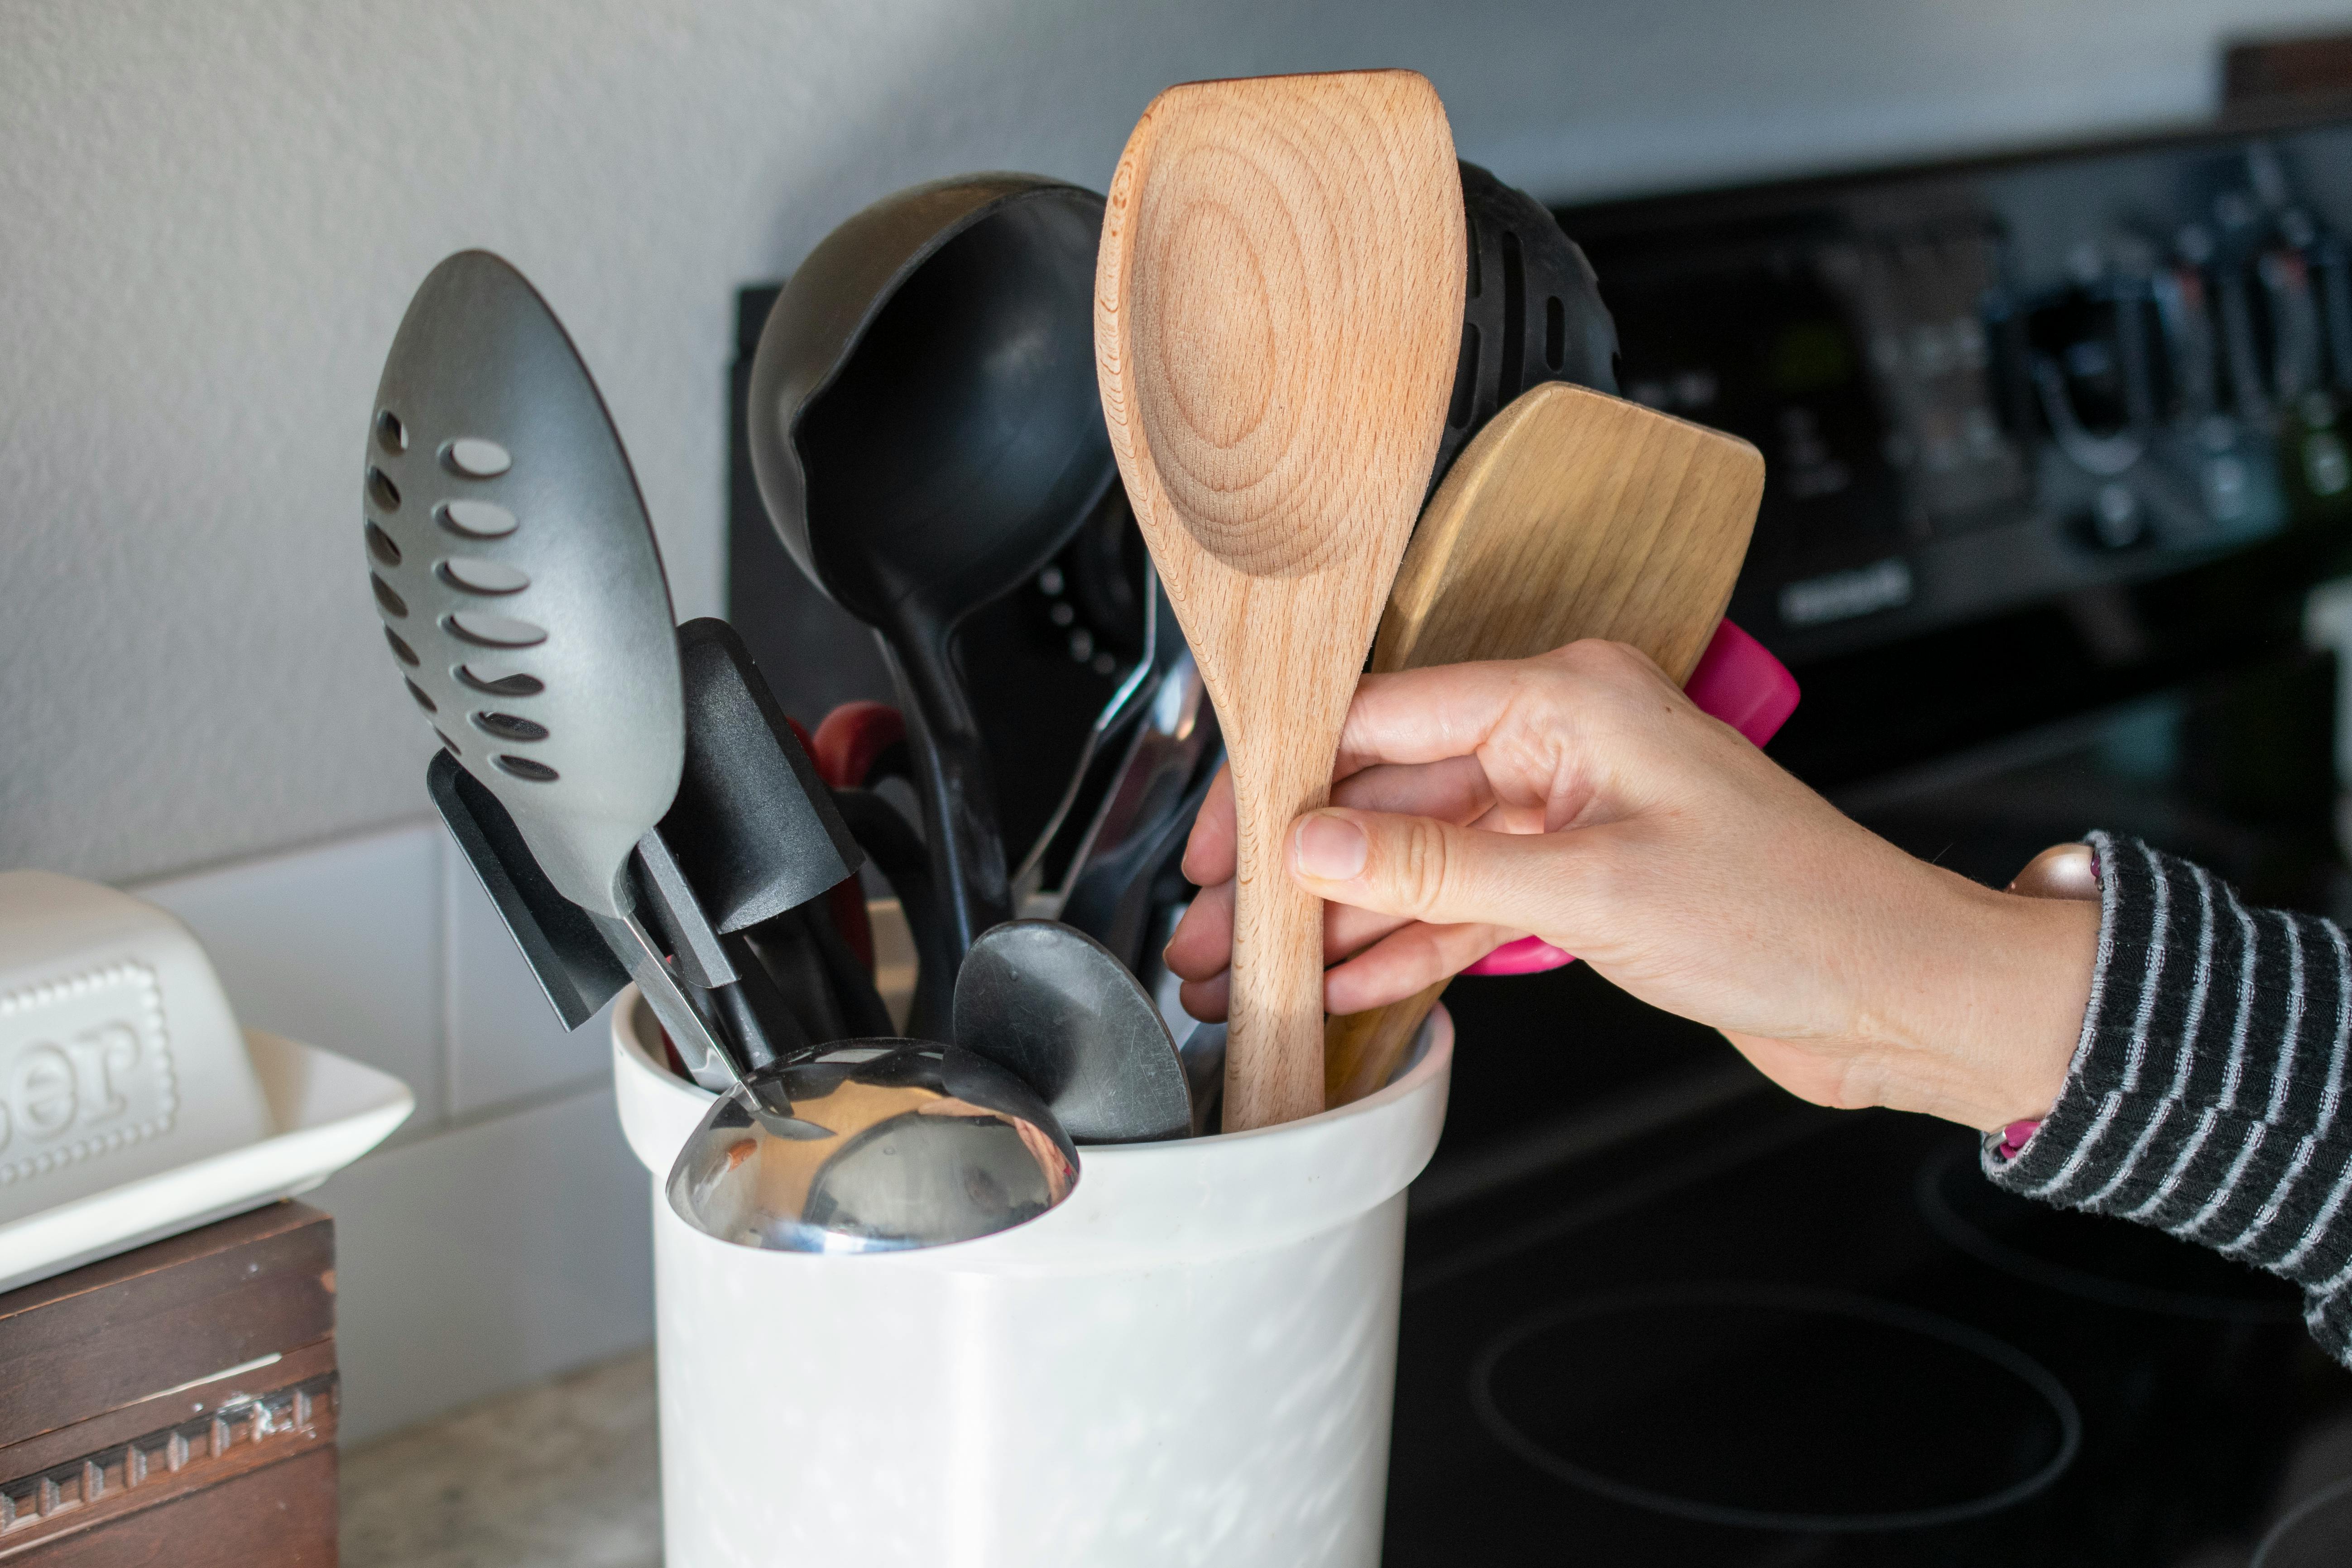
<point x="926" y="434"/>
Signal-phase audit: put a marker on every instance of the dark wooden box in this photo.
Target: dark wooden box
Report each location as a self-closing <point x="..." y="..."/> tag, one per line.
<point x="175" y="1405"/>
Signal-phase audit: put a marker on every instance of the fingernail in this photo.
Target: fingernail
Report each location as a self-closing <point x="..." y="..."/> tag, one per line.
<point x="1330" y="847"/>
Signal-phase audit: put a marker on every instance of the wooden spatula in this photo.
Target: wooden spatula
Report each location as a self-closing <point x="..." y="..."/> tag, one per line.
<point x="1572" y="514"/>
<point x="1277" y="310"/>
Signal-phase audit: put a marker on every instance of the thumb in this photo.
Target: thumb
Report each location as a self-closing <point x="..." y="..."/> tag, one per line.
<point x="1423" y="869"/>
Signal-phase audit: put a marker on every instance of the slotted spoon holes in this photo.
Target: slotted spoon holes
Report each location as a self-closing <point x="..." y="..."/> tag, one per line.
<point x="479" y="574"/>
<point x="475" y="519"/>
<point x="514" y="683"/>
<point x="390" y="433"/>
<point x="485" y="631"/>
<point x="476" y="458"/>
<point x="382" y="493"/>
<point x="525" y="768"/>
<point x="508" y="727"/>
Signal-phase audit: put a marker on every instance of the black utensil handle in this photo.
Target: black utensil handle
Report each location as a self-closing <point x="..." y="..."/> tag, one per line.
<point x="574" y="969"/>
<point x="960" y="831"/>
<point x="751" y="827"/>
<point x="674" y="911"/>
<point x="782" y="947"/>
<point x="863" y="1014"/>
<point x="899" y="856"/>
<point x="765" y="1028"/>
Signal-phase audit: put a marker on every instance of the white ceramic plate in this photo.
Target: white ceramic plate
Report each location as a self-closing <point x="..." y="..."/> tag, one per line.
<point x="328" y="1109"/>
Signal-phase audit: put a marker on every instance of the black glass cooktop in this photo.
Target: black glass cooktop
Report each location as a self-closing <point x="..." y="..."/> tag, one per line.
<point x="1766" y="1334"/>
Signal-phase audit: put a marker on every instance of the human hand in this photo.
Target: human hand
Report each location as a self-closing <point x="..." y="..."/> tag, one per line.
<point x="1581" y="797"/>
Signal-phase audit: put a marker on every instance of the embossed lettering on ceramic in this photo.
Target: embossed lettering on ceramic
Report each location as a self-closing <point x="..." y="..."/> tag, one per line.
<point x="85" y="1068"/>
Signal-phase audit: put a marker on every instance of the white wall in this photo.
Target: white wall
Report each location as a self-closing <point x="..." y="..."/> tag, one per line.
<point x="211" y="216"/>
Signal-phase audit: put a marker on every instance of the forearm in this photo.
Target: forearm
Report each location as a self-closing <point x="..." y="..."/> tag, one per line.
<point x="2206" y="1096"/>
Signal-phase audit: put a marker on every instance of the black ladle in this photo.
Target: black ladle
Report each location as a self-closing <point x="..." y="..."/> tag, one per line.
<point x="926" y="432"/>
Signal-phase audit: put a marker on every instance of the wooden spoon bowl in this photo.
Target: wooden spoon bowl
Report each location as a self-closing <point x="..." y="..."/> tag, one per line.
<point x="1277" y="314"/>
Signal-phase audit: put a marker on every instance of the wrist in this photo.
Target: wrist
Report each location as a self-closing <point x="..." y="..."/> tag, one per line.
<point x="1982" y="1027"/>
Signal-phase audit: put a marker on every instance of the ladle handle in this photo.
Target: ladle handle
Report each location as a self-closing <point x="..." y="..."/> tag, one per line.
<point x="895" y="852"/>
<point x="952" y="783"/>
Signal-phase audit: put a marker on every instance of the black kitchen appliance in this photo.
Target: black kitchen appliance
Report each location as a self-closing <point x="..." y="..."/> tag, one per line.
<point x="2057" y="454"/>
<point x="2056" y="460"/>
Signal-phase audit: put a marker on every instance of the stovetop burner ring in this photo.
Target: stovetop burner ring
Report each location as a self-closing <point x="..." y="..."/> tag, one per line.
<point x="1959" y="1230"/>
<point x="1837" y="1304"/>
<point x="2320" y="1523"/>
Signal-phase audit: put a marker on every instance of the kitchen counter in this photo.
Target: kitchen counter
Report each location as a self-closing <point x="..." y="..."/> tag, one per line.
<point x="558" y="1474"/>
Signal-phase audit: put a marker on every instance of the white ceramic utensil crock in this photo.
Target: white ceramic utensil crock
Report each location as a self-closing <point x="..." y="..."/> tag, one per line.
<point x="1190" y="1360"/>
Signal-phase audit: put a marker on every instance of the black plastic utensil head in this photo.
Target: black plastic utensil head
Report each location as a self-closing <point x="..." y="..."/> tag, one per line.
<point x="1051" y="1004"/>
<point x="516" y="575"/>
<point x="1531" y="313"/>
<point x="924" y="419"/>
<point x="575" y="968"/>
<point x="753" y="826"/>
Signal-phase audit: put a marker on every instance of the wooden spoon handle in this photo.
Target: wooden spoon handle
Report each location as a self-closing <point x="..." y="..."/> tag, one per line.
<point x="1277" y="987"/>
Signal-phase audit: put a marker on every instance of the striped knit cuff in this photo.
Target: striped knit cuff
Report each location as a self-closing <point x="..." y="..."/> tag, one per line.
<point x="2205" y="1090"/>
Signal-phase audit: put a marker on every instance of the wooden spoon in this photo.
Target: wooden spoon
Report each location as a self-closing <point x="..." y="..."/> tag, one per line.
<point x="1572" y="514"/>
<point x="1278" y="311"/>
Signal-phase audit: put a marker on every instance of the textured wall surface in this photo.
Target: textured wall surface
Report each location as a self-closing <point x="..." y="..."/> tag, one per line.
<point x="211" y="216"/>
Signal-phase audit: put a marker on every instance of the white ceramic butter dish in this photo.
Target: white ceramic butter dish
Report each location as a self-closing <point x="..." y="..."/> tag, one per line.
<point x="119" y="1056"/>
<point x="323" y="1110"/>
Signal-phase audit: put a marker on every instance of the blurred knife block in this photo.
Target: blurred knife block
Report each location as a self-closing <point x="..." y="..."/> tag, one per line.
<point x="175" y="1404"/>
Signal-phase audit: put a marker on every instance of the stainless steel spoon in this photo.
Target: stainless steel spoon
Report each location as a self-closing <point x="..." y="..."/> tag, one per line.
<point x="873" y="1146"/>
<point x="1051" y="1004"/>
<point x="1144" y="815"/>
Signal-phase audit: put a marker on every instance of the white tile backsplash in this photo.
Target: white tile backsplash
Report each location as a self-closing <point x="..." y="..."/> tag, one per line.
<point x="504" y="1043"/>
<point x="504" y="1234"/>
<point x="486" y="1256"/>
<point x="337" y="946"/>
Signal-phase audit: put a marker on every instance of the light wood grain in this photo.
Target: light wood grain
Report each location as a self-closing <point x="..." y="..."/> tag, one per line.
<point x="1278" y="310"/>
<point x="1361" y="1050"/>
<point x="1572" y="514"/>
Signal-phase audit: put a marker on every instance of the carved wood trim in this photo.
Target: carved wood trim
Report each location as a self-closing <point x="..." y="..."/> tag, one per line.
<point x="115" y="1332"/>
<point x="166" y="1464"/>
<point x="35" y="1455"/>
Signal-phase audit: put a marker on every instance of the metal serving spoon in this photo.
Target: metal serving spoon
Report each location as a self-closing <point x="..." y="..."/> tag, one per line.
<point x="873" y="1146"/>
<point x="1052" y="1005"/>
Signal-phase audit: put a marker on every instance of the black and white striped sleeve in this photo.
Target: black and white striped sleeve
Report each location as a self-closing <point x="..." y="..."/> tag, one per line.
<point x="2206" y="1094"/>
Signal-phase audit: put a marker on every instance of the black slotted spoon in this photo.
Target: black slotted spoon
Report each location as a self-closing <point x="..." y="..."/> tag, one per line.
<point x="522" y="594"/>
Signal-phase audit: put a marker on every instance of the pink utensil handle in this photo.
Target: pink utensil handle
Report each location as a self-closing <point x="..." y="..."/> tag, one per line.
<point x="1739" y="681"/>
